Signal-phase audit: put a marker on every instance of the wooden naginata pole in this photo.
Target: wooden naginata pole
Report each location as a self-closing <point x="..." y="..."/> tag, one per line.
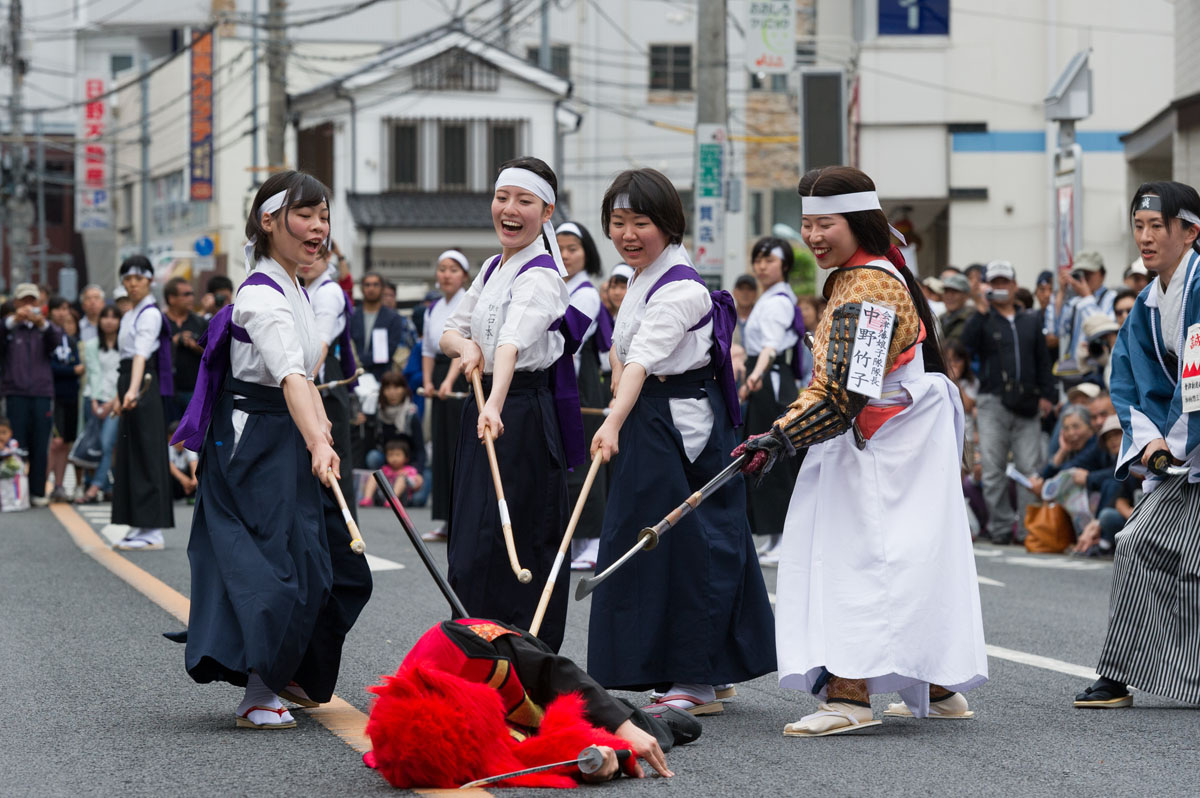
<point x="523" y="574"/>
<point x="563" y="547"/>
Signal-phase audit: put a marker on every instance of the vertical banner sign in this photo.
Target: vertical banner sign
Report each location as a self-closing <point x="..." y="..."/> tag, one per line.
<point x="771" y="36"/>
<point x="92" y="168"/>
<point x="200" y="171"/>
<point x="709" y="230"/>
<point x="1191" y="370"/>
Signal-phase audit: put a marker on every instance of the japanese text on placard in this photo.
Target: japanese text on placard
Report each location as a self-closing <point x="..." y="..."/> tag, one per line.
<point x="868" y="363"/>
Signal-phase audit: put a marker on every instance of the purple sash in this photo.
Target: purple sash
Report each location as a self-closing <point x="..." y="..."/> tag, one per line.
<point x="214" y="365"/>
<point x="166" y="376"/>
<point x="723" y="315"/>
<point x="604" y="329"/>
<point x="563" y="382"/>
<point x="799" y="329"/>
<point x="345" y="350"/>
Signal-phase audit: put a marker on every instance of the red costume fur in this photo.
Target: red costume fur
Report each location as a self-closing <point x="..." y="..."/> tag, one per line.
<point x="430" y="728"/>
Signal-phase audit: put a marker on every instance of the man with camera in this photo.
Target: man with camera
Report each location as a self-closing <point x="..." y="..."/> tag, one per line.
<point x="1084" y="281"/>
<point x="1016" y="388"/>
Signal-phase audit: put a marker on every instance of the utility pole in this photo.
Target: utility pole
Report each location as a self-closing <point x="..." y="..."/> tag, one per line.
<point x="43" y="245"/>
<point x="711" y="159"/>
<point x="144" y="84"/>
<point x="544" y="49"/>
<point x="276" y="85"/>
<point x="20" y="215"/>
<point x="254" y="95"/>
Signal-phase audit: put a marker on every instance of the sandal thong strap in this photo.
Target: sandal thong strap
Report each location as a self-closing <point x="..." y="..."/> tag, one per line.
<point x="278" y="711"/>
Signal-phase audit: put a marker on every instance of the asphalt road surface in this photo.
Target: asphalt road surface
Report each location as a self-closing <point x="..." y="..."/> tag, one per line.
<point x="98" y="702"/>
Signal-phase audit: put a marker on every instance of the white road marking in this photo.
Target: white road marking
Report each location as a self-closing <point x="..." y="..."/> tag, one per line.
<point x="983" y="580"/>
<point x="1061" y="563"/>
<point x="988" y="552"/>
<point x="1038" y="661"/>
<point x="380" y="564"/>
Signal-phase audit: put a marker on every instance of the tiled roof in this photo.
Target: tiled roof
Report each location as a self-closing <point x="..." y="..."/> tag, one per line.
<point x="423" y="210"/>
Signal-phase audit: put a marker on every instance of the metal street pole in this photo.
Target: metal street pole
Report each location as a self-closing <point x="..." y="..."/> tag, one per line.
<point x="711" y="155"/>
<point x="254" y="95"/>
<point x="43" y="245"/>
<point x="19" y="212"/>
<point x="145" y="142"/>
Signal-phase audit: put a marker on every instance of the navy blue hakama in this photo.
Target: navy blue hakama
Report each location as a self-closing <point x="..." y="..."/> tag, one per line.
<point x="533" y="468"/>
<point x="694" y="610"/>
<point x="261" y="571"/>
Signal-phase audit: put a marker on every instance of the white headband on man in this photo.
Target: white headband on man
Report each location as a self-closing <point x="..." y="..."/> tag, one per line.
<point x="517" y="177"/>
<point x="137" y="271"/>
<point x="270" y="205"/>
<point x="846" y="203"/>
<point x="457" y="257"/>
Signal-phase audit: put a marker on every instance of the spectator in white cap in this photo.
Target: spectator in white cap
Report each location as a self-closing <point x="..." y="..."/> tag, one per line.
<point x="1085" y="279"/>
<point x="1137" y="276"/>
<point x="1099" y="337"/>
<point x="932" y="288"/>
<point x="956" y="289"/>
<point x="1015" y="390"/>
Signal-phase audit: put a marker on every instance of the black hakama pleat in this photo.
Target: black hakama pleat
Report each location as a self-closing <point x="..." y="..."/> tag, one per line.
<point x="591" y="394"/>
<point x="694" y="609"/>
<point x="533" y="468"/>
<point x="767" y="503"/>
<point x="444" y="425"/>
<point x="261" y="571"/>
<point x="352" y="584"/>
<point x="337" y="409"/>
<point x="141" y="476"/>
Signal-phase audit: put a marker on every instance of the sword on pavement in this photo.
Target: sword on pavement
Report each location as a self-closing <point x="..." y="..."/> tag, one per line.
<point x="589" y="761"/>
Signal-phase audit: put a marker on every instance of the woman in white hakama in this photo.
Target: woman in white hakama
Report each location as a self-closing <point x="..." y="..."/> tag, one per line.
<point x="877" y="590"/>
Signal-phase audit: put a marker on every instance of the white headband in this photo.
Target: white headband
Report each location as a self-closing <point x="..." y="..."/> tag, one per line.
<point x="270" y="205"/>
<point x="138" y="271"/>
<point x="569" y="227"/>
<point x="523" y="178"/>
<point x="776" y="252"/>
<point x="846" y="203"/>
<point x="457" y="257"/>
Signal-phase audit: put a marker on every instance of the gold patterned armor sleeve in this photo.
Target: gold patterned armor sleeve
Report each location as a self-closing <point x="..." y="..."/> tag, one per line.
<point x="827" y="408"/>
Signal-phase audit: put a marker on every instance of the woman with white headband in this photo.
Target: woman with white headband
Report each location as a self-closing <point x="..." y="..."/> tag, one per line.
<point x="507" y="327"/>
<point x="589" y="323"/>
<point x="141" y="480"/>
<point x="441" y="377"/>
<point x="771" y="338"/>
<point x="275" y="586"/>
<point x="876" y="590"/>
<point x="1154" y="609"/>
<point x="691" y="617"/>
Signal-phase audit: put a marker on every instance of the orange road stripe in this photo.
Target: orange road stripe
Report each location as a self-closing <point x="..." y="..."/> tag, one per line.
<point x="345" y="721"/>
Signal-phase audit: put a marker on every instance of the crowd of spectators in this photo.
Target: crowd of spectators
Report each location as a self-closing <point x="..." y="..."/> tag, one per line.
<point x="1033" y="370"/>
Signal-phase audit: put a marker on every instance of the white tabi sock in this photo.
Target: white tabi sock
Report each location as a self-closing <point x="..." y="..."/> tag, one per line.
<point x="152" y="537"/>
<point x="259" y="695"/>
<point x="704" y="693"/>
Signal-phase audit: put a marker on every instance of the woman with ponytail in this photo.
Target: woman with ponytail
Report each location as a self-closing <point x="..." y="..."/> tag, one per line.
<point x="877" y="590"/>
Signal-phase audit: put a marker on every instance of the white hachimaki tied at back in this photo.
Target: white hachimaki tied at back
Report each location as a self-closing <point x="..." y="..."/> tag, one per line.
<point x="516" y="177"/>
<point x="846" y="203"/>
<point x="270" y="205"/>
<point x="457" y="257"/>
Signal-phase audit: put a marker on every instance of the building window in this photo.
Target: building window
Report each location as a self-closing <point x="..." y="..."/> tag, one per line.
<point x="405" y="137"/>
<point x="560" y="59"/>
<point x="756" y="213"/>
<point x="171" y="212"/>
<point x="502" y="145"/>
<point x="125" y="208"/>
<point x="670" y="67"/>
<point x="785" y="207"/>
<point x="776" y="83"/>
<point x="456" y="70"/>
<point x="119" y="63"/>
<point x="453" y="156"/>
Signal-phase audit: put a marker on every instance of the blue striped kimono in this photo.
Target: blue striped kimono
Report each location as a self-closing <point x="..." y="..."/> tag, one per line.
<point x="1146" y="384"/>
